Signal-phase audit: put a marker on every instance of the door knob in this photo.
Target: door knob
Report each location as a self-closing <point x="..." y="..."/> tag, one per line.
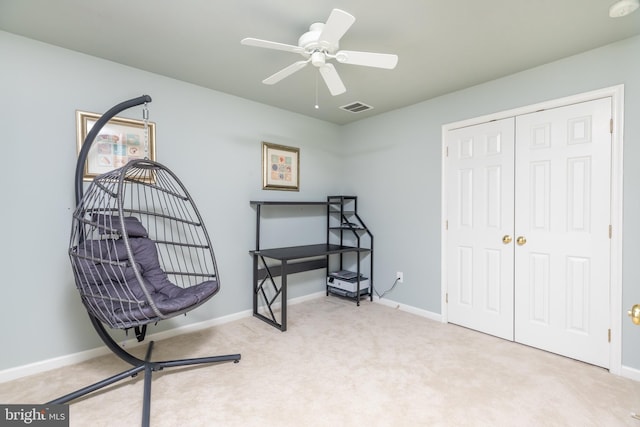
<point x="634" y="313"/>
<point x="506" y="239"/>
<point x="521" y="240"/>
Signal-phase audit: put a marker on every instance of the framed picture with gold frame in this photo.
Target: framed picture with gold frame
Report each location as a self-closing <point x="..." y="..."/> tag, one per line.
<point x="280" y="167"/>
<point x="119" y="141"/>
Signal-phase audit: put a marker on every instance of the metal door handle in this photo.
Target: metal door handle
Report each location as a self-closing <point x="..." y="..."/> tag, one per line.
<point x="634" y="313"/>
<point x="521" y="240"/>
<point x="506" y="239"/>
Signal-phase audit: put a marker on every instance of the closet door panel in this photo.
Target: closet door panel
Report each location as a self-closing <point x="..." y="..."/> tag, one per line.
<point x="562" y="212"/>
<point x="480" y="213"/>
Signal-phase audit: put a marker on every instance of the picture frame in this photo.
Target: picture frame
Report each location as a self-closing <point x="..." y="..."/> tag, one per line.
<point x="119" y="141"/>
<point x="280" y="167"/>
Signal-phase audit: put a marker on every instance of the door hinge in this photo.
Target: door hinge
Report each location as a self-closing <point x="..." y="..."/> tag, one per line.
<point x="446" y="224"/>
<point x="610" y="231"/>
<point x="446" y="298"/>
<point x="446" y="151"/>
<point x="609" y="335"/>
<point x="611" y="126"/>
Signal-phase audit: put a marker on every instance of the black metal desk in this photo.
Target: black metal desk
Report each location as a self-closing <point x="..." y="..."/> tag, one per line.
<point x="294" y="259"/>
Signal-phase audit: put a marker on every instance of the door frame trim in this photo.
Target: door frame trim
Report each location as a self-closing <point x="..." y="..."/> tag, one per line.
<point x="615" y="275"/>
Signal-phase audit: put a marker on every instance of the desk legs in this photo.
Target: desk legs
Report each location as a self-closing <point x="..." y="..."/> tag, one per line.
<point x="258" y="289"/>
<point x="358" y="276"/>
<point x="255" y="284"/>
<point x="283" y="297"/>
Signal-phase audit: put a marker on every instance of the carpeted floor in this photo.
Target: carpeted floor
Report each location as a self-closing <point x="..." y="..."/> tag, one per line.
<point x="342" y="365"/>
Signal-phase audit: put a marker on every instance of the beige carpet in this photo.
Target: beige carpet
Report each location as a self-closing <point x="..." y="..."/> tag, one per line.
<point x="342" y="365"/>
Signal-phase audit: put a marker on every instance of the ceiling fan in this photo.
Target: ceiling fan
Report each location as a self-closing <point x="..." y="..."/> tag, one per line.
<point x="321" y="43"/>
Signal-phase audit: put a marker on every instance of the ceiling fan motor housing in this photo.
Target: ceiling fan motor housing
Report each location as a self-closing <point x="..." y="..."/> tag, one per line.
<point x="311" y="43"/>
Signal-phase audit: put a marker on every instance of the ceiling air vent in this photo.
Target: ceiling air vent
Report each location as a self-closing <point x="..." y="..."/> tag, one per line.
<point x="357" y="107"/>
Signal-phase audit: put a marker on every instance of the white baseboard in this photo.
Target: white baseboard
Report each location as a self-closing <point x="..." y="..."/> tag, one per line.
<point x="304" y="298"/>
<point x="409" y="309"/>
<point x="83" y="356"/>
<point x="49" y="364"/>
<point x="193" y="327"/>
<point x="631" y="373"/>
<point x="71" y="359"/>
<point x="625" y="371"/>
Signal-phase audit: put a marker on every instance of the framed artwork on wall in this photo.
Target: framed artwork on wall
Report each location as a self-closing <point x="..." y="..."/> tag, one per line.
<point x="118" y="142"/>
<point x="280" y="167"/>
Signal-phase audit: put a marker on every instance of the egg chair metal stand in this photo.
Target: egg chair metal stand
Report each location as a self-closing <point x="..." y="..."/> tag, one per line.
<point x="140" y="254"/>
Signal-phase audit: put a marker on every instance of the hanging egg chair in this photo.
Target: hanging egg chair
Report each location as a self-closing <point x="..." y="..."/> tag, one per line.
<point x="139" y="250"/>
<point x="140" y="253"/>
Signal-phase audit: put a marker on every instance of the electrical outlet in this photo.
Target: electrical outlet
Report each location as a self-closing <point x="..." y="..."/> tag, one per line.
<point x="399" y="276"/>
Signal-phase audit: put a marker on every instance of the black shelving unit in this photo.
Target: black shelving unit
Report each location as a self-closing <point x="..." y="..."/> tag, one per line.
<point x="346" y="227"/>
<point x="296" y="259"/>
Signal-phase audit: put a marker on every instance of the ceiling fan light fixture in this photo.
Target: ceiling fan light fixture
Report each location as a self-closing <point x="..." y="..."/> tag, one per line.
<point x="623" y="8"/>
<point x="318" y="59"/>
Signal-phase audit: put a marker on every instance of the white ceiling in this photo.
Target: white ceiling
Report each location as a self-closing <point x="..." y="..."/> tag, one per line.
<point x="443" y="46"/>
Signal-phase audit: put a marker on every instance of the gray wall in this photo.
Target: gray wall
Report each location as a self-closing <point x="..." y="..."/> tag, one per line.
<point x="212" y="141"/>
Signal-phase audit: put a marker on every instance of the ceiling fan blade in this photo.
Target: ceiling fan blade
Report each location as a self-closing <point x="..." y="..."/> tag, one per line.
<point x="338" y="23"/>
<point x="332" y="79"/>
<point x="368" y="59"/>
<point x="285" y="72"/>
<point x="249" y="41"/>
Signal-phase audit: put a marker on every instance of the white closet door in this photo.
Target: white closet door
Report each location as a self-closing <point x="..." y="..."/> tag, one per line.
<point x="480" y="182"/>
<point x="562" y="205"/>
